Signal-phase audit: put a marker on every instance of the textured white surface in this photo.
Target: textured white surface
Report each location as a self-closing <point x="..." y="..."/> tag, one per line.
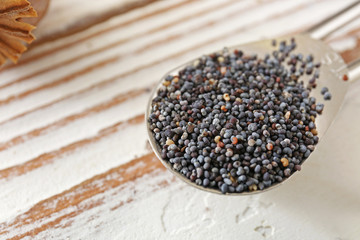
<point x="56" y="133"/>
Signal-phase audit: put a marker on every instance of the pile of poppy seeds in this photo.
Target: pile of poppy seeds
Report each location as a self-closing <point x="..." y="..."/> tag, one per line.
<point x="236" y="122"/>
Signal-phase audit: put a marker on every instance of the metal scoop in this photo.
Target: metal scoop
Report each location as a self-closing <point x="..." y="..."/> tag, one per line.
<point x="332" y="71"/>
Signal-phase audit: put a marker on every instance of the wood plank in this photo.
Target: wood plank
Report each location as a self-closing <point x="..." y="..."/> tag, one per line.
<point x="96" y="185"/>
<point x="71" y="118"/>
<point x="85" y="158"/>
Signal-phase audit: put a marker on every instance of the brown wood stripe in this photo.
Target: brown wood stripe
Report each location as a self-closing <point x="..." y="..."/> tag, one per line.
<point x="67" y="45"/>
<point x="48" y="158"/>
<point x="145" y="48"/>
<point x="120" y="42"/>
<point x="76" y="94"/>
<point x="119" y="99"/>
<point x="93" y="20"/>
<point x="352" y="33"/>
<point x="57" y="82"/>
<point x="84" y="191"/>
<point x="352" y="54"/>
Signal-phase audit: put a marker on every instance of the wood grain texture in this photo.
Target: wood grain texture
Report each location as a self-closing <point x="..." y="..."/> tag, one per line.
<point x="84" y="15"/>
<point x="74" y="158"/>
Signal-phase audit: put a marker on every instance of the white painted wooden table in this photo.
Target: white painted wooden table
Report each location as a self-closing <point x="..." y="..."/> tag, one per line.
<point x="74" y="158"/>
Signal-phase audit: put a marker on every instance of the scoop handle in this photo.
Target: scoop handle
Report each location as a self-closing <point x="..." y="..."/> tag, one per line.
<point x="354" y="70"/>
<point x="331" y="24"/>
<point x="334" y="22"/>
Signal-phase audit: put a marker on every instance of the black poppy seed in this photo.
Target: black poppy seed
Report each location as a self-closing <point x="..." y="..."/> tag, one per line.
<point x="278" y="178"/>
<point x="207" y="166"/>
<point x="307" y="153"/>
<point x="251" y="142"/>
<point x="319" y="107"/>
<point x="311" y="147"/>
<point x="242" y="178"/>
<point x="327" y="96"/>
<point x="206" y="182"/>
<point x="198" y="181"/>
<point x="227" y="181"/>
<point x="257" y="169"/>
<point x="224" y="188"/>
<point x="287" y="172"/>
<point x="294" y="129"/>
<point x="240" y="188"/>
<point x="266" y="176"/>
<point x="324" y="90"/>
<point x="252" y="127"/>
<point x="302" y="148"/>
<point x="312" y="80"/>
